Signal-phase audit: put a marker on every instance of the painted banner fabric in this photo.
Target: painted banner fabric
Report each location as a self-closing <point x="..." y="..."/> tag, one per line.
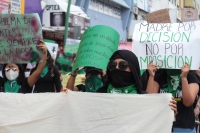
<point x="97" y="45"/>
<point x="168" y="45"/>
<point x="78" y="112"/>
<point x="19" y="35"/>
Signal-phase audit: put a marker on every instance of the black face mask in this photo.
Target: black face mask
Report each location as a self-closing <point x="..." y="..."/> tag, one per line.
<point x="121" y="78"/>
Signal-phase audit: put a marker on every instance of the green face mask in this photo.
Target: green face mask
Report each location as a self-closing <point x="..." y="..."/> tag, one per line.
<point x="93" y="83"/>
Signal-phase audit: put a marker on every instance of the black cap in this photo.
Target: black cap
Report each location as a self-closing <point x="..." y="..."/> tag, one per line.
<point x="88" y="69"/>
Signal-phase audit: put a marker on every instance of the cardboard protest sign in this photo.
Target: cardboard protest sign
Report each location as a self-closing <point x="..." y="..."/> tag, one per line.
<point x="168" y="45"/>
<point x="98" y="43"/>
<point x="77" y="112"/>
<point x="159" y="16"/>
<point x="65" y="59"/>
<point x="19" y="35"/>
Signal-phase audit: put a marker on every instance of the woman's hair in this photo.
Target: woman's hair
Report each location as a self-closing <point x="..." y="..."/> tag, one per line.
<point x="50" y="61"/>
<point x="21" y="73"/>
<point x="131" y="58"/>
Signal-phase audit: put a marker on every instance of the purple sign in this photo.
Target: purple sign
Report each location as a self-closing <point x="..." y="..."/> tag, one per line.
<point x="33" y="7"/>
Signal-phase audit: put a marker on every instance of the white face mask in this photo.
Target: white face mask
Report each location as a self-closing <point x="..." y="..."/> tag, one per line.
<point x="11" y="75"/>
<point x="27" y="74"/>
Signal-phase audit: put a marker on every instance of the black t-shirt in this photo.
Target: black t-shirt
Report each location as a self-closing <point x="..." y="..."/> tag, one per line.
<point x="81" y="88"/>
<point x="48" y="83"/>
<point x="24" y="86"/>
<point x="185" y="117"/>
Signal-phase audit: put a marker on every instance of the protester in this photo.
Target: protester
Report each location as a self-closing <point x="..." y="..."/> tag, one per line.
<point x="94" y="80"/>
<point x="49" y="80"/>
<point x="14" y="80"/>
<point x="184" y="86"/>
<point x="123" y="76"/>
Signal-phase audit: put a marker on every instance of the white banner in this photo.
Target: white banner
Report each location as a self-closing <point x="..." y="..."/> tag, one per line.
<point x="169" y="45"/>
<point x="76" y="112"/>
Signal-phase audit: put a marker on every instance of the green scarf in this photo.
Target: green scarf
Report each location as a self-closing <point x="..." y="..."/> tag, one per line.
<point x="11" y="86"/>
<point x="173" y="80"/>
<point x="125" y="90"/>
<point x="44" y="72"/>
<point x="93" y="83"/>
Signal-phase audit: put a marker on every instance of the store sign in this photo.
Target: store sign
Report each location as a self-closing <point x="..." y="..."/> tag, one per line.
<point x="188" y="15"/>
<point x="54" y="16"/>
<point x="53" y="35"/>
<point x="17" y="6"/>
<point x="5" y="7"/>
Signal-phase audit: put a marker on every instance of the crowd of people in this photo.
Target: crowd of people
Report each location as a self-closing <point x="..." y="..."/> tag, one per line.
<point x="123" y="76"/>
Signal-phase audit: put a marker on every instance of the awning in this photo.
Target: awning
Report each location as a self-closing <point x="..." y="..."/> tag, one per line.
<point x="121" y="2"/>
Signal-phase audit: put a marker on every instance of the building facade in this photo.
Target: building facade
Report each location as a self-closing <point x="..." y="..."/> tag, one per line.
<point x="114" y="13"/>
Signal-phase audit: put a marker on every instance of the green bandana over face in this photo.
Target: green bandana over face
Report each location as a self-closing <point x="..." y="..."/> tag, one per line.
<point x="173" y="80"/>
<point x="93" y="83"/>
<point x="125" y="90"/>
<point x="11" y="86"/>
<point x="44" y="72"/>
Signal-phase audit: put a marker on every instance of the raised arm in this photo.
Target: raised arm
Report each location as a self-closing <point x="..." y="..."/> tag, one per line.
<point x="72" y="78"/>
<point x="152" y="86"/>
<point x="189" y="91"/>
<point x="32" y="79"/>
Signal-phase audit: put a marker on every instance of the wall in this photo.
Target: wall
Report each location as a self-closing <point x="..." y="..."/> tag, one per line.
<point x="159" y="4"/>
<point x="97" y="18"/>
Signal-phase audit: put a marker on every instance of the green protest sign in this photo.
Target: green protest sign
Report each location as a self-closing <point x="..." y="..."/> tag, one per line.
<point x="65" y="58"/>
<point x="72" y="45"/>
<point x="19" y="35"/>
<point x="98" y="43"/>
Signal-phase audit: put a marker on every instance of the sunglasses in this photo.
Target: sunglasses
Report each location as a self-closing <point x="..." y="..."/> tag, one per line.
<point x="8" y="69"/>
<point x="122" y="65"/>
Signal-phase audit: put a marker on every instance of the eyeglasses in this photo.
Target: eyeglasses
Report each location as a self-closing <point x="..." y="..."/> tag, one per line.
<point x="122" y="65"/>
<point x="8" y="69"/>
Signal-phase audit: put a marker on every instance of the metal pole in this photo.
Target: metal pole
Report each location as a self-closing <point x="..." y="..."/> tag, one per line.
<point x="67" y="22"/>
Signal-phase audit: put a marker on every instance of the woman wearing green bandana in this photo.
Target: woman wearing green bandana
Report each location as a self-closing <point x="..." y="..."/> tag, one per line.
<point x="14" y="80"/>
<point x="184" y="86"/>
<point x="123" y="75"/>
<point x="94" y="80"/>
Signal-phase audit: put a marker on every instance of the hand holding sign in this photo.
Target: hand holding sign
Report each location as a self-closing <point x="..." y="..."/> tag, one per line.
<point x="152" y="68"/>
<point x="42" y="47"/>
<point x="185" y="70"/>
